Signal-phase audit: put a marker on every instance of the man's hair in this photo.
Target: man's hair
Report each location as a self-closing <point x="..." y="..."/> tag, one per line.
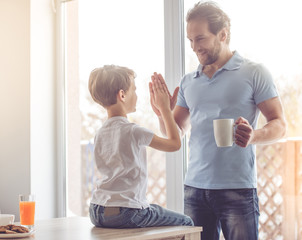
<point x="105" y="83"/>
<point x="212" y="13"/>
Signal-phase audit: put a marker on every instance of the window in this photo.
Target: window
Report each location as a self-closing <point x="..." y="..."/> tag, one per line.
<point x="125" y="33"/>
<point x="146" y="36"/>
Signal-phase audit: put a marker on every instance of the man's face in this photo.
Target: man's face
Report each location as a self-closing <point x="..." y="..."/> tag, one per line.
<point x="131" y="97"/>
<point x="205" y="44"/>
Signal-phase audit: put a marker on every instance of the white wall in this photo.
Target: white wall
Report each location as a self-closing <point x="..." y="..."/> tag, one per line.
<point x="14" y="103"/>
<point x="27" y="103"/>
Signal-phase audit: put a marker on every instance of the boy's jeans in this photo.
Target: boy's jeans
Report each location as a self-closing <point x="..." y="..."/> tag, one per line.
<point x="235" y="211"/>
<point x="134" y="218"/>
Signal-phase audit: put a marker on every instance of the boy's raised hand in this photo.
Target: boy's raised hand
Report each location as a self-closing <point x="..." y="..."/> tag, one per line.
<point x="161" y="104"/>
<point x="160" y="96"/>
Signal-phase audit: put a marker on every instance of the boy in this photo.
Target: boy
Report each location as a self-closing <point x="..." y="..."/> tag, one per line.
<point x="119" y="200"/>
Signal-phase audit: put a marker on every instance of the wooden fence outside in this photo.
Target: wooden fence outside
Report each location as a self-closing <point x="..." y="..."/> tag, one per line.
<point x="279" y="188"/>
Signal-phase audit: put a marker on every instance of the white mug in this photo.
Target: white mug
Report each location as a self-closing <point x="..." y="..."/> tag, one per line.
<point x="6" y="219"/>
<point x="224" y="131"/>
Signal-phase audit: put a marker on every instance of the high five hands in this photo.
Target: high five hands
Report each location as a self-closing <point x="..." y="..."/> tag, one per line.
<point x="160" y="96"/>
<point x="158" y="80"/>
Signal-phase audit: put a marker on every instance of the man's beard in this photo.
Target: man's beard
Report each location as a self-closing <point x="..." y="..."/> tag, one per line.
<point x="212" y="54"/>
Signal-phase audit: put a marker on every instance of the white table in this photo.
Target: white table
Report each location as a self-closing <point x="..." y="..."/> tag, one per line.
<point x="81" y="228"/>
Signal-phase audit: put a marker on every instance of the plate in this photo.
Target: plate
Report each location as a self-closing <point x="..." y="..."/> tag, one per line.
<point x="17" y="235"/>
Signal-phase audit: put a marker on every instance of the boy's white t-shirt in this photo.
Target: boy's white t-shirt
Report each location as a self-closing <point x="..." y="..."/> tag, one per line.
<point x="120" y="156"/>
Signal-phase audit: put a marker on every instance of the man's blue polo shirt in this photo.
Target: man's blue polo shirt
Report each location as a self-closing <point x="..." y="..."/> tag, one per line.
<point x="234" y="90"/>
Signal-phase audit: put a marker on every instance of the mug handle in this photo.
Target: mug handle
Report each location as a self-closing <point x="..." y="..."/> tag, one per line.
<point x="234" y="131"/>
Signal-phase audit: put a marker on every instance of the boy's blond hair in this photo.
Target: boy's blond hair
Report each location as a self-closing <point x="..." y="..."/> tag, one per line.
<point x="105" y="83"/>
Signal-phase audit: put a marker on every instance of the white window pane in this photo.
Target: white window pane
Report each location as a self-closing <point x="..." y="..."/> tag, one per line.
<point x="126" y="33"/>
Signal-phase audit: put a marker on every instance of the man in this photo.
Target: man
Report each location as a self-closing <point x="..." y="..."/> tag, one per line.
<point x="220" y="186"/>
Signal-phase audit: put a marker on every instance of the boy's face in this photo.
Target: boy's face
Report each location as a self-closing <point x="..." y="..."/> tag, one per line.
<point x="131" y="97"/>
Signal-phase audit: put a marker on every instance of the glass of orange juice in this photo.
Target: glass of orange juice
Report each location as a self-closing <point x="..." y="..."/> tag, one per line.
<point x="27" y="204"/>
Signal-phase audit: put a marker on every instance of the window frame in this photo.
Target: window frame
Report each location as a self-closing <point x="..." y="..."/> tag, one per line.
<point x="60" y="10"/>
<point x="174" y="70"/>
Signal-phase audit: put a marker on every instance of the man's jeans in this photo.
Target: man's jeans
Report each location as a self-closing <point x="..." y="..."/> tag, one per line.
<point x="235" y="211"/>
<point x="134" y="218"/>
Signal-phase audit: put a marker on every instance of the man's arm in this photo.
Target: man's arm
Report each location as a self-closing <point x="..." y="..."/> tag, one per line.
<point x="273" y="130"/>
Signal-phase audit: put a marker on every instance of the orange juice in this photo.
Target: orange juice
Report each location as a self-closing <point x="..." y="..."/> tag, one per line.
<point x="27" y="213"/>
